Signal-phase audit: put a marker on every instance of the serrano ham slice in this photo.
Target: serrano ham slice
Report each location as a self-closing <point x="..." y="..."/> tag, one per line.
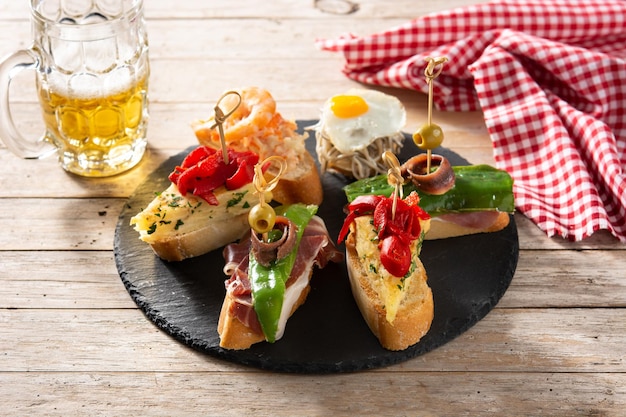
<point x="466" y="223"/>
<point x="239" y="327"/>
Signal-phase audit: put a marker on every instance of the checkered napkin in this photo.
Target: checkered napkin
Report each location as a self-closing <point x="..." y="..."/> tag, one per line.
<point x="550" y="78"/>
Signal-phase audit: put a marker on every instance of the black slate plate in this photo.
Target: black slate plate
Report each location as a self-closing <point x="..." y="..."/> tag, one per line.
<point x="468" y="275"/>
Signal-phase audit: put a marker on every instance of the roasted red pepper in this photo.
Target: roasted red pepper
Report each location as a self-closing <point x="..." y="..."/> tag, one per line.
<point x="395" y="232"/>
<point x="395" y="255"/>
<point x="204" y="170"/>
<point x="361" y="205"/>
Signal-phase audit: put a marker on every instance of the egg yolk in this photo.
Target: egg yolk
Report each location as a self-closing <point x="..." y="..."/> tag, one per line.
<point x="345" y="106"/>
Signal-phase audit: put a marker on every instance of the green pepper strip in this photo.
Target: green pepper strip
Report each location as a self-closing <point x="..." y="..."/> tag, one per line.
<point x="476" y="188"/>
<point x="268" y="283"/>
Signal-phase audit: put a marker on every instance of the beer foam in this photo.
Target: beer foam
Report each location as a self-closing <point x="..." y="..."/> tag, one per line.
<point x="87" y="85"/>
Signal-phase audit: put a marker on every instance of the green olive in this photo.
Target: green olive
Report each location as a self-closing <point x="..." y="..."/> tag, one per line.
<point x="429" y="136"/>
<point x="262" y="218"/>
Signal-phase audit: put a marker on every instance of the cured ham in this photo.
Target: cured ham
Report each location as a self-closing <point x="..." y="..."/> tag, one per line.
<point x="474" y="220"/>
<point x="316" y="249"/>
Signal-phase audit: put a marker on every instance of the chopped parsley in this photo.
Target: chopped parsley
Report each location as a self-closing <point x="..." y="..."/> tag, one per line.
<point x="411" y="270"/>
<point x="174" y="202"/>
<point x="237" y="197"/>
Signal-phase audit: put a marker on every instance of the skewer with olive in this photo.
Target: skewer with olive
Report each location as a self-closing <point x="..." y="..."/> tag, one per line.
<point x="272" y="237"/>
<point x="262" y="216"/>
<point x="430" y="173"/>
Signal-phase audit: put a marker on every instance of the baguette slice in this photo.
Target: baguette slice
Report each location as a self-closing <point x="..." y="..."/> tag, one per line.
<point x="257" y="126"/>
<point x="301" y="184"/>
<point x="238" y="325"/>
<point x="179" y="227"/>
<point x="237" y="336"/>
<point x="398" y="318"/>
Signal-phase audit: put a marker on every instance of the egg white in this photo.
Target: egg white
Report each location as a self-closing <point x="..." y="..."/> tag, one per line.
<point x="385" y="116"/>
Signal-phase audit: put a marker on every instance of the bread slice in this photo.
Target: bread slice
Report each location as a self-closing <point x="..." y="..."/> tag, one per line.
<point x="443" y="229"/>
<point x="257" y="126"/>
<point x="236" y="335"/>
<point x="179" y="227"/>
<point x="398" y="318"/>
<point x="300" y="185"/>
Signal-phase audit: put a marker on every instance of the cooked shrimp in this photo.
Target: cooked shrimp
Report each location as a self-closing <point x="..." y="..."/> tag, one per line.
<point x="256" y="110"/>
<point x="254" y="126"/>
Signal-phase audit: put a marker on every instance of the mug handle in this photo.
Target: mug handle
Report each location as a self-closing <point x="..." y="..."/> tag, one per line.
<point x="10" y="135"/>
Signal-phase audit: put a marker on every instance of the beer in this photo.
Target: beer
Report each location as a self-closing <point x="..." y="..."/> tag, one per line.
<point x="96" y="135"/>
<point x="91" y="64"/>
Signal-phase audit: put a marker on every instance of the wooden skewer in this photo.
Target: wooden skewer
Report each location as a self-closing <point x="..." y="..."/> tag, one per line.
<point x="262" y="185"/>
<point x="394" y="178"/>
<point x="220" y="117"/>
<point x="432" y="71"/>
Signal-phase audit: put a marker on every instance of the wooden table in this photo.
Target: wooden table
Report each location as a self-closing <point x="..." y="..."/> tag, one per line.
<point x="72" y="342"/>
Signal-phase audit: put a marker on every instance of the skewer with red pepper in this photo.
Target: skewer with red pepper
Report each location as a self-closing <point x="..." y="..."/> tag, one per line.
<point x="397" y="220"/>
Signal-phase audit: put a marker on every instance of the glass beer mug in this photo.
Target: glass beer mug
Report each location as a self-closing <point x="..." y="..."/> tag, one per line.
<point x="91" y="63"/>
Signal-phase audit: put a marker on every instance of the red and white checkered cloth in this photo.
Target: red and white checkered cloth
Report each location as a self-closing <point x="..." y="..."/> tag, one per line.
<point x="550" y="78"/>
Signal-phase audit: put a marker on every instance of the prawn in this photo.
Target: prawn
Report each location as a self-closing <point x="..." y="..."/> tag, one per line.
<point x="256" y="110"/>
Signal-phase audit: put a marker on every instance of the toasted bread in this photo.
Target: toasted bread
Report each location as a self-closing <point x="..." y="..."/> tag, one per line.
<point x="242" y="321"/>
<point x="194" y="227"/>
<point x="413" y="312"/>
<point x="202" y="227"/>
<point x="236" y="335"/>
<point x="179" y="227"/>
<point x="257" y="126"/>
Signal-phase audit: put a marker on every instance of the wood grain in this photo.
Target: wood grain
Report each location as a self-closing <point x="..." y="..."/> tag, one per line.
<point x="507" y="340"/>
<point x="425" y="394"/>
<point x="72" y="342"/>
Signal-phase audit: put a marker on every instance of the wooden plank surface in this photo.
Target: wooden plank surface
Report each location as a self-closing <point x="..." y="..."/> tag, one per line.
<point x="72" y="342"/>
<point x="507" y="340"/>
<point x="423" y="394"/>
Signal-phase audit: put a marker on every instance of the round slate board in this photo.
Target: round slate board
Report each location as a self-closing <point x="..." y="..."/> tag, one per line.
<point x="468" y="275"/>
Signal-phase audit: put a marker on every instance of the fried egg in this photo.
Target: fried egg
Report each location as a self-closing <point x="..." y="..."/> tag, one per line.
<point x="357" y="118"/>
